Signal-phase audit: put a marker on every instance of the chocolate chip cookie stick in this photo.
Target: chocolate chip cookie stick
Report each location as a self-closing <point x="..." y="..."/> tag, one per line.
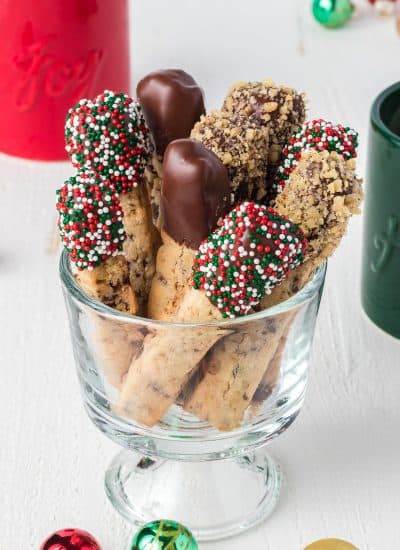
<point x="156" y="376"/>
<point x="319" y="190"/>
<point x="172" y="102"/>
<point x="109" y="136"/>
<point x="91" y="230"/>
<point x="233" y="269"/>
<point x="195" y="194"/>
<point x="236" y="364"/>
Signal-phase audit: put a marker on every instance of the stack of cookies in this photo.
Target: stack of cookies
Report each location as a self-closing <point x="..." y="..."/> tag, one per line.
<point x="184" y="216"/>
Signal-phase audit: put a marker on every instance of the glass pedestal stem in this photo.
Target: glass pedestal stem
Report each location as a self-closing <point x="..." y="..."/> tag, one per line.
<point x="214" y="499"/>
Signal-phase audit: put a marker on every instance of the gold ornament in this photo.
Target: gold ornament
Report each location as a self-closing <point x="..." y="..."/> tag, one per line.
<point x="331" y="544"/>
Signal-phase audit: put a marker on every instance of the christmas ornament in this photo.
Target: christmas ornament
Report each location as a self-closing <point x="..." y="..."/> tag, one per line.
<point x="384" y="7"/>
<point x="163" y="535"/>
<point x="332" y="13"/>
<point x="70" y="539"/>
<point x="331" y="544"/>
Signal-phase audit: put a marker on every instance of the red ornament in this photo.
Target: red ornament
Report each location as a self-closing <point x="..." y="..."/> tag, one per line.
<point x="70" y="539"/>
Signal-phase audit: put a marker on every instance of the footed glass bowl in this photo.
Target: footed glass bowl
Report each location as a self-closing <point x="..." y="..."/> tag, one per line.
<point x="250" y="383"/>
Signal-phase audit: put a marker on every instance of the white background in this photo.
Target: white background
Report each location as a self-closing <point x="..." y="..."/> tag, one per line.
<point x="342" y="457"/>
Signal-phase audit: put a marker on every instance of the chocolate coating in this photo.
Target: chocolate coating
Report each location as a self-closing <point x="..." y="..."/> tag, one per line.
<point x="172" y="103"/>
<point x="195" y="192"/>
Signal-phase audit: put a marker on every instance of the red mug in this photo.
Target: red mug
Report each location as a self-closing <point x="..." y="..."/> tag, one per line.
<point x="52" y="53"/>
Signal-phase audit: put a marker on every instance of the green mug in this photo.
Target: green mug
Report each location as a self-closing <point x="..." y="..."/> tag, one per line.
<point x="381" y="254"/>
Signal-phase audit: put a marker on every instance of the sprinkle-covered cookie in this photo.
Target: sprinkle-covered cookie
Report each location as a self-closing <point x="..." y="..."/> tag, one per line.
<point x="321" y="136"/>
<point x="108" y="135"/>
<point x="246" y="257"/>
<point x="90" y="220"/>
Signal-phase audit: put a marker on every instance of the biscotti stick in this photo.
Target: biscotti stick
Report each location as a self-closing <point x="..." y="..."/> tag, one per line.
<point x="195" y="194"/>
<point x="236" y="365"/>
<point x="234" y="369"/>
<point x="109" y="136"/>
<point x="168" y="359"/>
<point x="319" y="190"/>
<point x="91" y="230"/>
<point x="317" y="184"/>
<point x="272" y="373"/>
<point x="278" y="108"/>
<point x="142" y="241"/>
<point x="153" y="174"/>
<point x="232" y="271"/>
<point x="115" y="343"/>
<point x="242" y="146"/>
<point x="172" y="103"/>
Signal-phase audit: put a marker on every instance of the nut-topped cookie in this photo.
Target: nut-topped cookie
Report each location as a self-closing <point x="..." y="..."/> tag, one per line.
<point x="241" y="145"/>
<point x="280" y="109"/>
<point x="317" y="184"/>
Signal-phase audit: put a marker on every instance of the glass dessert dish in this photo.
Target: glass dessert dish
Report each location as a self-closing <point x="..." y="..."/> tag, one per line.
<point x="218" y="483"/>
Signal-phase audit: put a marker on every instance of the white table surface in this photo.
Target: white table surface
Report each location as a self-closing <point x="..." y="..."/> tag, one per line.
<point x="342" y="457"/>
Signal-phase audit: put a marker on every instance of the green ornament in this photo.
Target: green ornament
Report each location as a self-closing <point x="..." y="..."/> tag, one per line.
<point x="332" y="13"/>
<point x="164" y="535"/>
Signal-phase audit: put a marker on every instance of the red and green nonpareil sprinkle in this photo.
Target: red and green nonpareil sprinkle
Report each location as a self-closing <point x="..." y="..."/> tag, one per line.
<point x="108" y="135"/>
<point x="244" y="258"/>
<point x="321" y="136"/>
<point x="89" y="220"/>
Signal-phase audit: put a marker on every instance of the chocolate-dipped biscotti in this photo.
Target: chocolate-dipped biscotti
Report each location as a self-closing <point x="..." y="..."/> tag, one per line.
<point x="91" y="230"/>
<point x="234" y="268"/>
<point x="236" y="364"/>
<point x="108" y="136"/>
<point x="321" y="208"/>
<point x="172" y="103"/>
<point x="195" y="195"/>
<point x="198" y="219"/>
<point x="279" y="109"/>
<point x="319" y="189"/>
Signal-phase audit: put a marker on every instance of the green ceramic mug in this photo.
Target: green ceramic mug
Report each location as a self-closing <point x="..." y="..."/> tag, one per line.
<point x="381" y="255"/>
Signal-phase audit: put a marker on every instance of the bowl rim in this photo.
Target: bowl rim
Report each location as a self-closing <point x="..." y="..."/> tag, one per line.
<point x="376" y="116"/>
<point x="70" y="286"/>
